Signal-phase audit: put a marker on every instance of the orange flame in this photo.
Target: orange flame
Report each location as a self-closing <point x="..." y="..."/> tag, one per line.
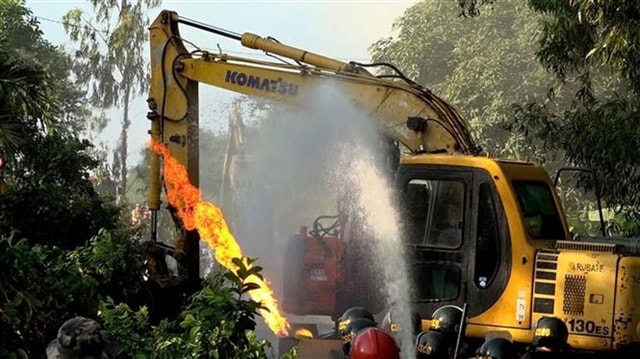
<point x="208" y="220"/>
<point x="303" y="333"/>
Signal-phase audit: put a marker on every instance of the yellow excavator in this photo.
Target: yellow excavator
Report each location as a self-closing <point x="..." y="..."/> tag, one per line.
<point x="493" y="231"/>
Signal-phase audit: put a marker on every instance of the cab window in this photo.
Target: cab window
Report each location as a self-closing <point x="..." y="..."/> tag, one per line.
<point x="539" y="210"/>
<point x="434" y="211"/>
<point x="437" y="281"/>
<point x="487" y="238"/>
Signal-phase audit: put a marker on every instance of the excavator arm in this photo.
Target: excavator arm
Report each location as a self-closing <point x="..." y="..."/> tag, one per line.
<point x="402" y="110"/>
<point x="389" y="103"/>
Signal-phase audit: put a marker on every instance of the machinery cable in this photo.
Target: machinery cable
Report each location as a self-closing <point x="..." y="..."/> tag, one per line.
<point x="457" y="128"/>
<point x="399" y="73"/>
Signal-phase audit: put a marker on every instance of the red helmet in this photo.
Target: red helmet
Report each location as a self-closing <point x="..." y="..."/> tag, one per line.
<point x="374" y="343"/>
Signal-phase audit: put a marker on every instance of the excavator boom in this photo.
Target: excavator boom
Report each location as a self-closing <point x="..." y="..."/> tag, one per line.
<point x="423" y="124"/>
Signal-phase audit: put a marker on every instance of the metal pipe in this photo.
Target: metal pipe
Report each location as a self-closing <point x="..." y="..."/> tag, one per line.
<point x="209" y="28"/>
<point x="154" y="182"/>
<point x="154" y="225"/>
<point x="461" y="330"/>
<point x="257" y="42"/>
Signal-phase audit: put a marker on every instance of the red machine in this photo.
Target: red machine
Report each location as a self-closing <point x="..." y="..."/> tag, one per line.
<point x="311" y="291"/>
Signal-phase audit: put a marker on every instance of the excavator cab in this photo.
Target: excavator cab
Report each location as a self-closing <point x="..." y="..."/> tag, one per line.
<point x="468" y="225"/>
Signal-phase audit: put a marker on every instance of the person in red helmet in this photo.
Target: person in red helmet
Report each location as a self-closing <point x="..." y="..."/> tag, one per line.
<point x="374" y="343"/>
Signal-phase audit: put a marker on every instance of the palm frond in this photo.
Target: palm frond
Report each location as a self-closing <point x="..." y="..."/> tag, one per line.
<point x="26" y="91"/>
<point x="12" y="134"/>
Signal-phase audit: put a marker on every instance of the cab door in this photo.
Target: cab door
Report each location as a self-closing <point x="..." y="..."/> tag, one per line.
<point x="455" y="227"/>
<point x="436" y="211"/>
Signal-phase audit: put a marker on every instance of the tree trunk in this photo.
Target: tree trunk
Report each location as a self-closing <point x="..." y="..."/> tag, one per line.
<point x="123" y="150"/>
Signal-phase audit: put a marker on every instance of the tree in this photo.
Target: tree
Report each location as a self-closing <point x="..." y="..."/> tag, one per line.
<point x="23" y="96"/>
<point x="22" y="41"/>
<point x="26" y="88"/>
<point x="42" y="286"/>
<point x="49" y="199"/>
<point x="110" y="58"/>
<point x="58" y="260"/>
<point x="481" y="65"/>
<point x="595" y="44"/>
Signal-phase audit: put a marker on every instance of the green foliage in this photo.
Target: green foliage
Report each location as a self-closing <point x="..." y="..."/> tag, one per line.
<point x="36" y="95"/>
<point x="218" y="319"/>
<point x="290" y="354"/>
<point x="115" y="261"/>
<point x="218" y="322"/>
<point x="574" y="90"/>
<point x="111" y="43"/>
<point x="26" y="100"/>
<point x="481" y="65"/>
<point x="20" y="94"/>
<point x="42" y="72"/>
<point x="131" y="329"/>
<point x="594" y="44"/>
<point x="25" y="91"/>
<point x="42" y="286"/>
<point x="48" y="198"/>
<point x="63" y="263"/>
<point x="56" y="262"/>
<point x="626" y="224"/>
<point x="581" y="35"/>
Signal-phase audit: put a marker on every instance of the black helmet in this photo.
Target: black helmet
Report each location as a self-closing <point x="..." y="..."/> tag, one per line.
<point x="551" y="332"/>
<point x="352" y="329"/>
<point x="390" y="324"/>
<point x="351" y="314"/>
<point x="447" y="319"/>
<point x="499" y="348"/>
<point x="433" y="344"/>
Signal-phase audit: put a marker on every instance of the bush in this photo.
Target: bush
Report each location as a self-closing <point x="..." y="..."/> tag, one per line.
<point x="48" y="198"/>
<point x="218" y="322"/>
<point x="42" y="286"/>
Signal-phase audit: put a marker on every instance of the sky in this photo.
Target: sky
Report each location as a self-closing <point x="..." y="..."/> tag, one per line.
<point x="339" y="29"/>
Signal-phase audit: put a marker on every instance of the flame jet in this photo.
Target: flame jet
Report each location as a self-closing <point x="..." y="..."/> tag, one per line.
<point x="209" y="221"/>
